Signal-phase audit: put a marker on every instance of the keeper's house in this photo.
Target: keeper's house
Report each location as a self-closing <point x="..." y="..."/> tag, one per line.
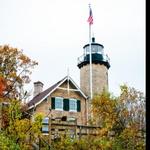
<point x="62" y="100"/>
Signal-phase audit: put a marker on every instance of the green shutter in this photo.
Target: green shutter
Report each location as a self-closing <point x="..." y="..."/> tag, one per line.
<point x="53" y="102"/>
<point x="66" y="104"/>
<point x="78" y="105"/>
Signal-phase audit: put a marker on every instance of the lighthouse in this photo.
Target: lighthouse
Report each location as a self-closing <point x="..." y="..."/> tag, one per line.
<point x="100" y="64"/>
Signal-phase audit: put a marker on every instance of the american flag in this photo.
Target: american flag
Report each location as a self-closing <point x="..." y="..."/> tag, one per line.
<point x="90" y="19"/>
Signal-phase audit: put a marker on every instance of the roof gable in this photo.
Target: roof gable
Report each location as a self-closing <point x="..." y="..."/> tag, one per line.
<point x="41" y="96"/>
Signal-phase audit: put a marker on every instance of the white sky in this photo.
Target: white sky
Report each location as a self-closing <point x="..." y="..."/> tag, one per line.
<point x="53" y="32"/>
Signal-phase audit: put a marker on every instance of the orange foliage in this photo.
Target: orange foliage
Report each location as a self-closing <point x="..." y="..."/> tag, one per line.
<point x="2" y="86"/>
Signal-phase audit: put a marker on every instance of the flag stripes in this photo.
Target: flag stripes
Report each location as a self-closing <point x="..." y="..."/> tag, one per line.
<point x="90" y="19"/>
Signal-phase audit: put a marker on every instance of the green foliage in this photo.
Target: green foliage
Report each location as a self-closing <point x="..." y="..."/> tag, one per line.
<point x="64" y="143"/>
<point x="85" y="143"/>
<point x="129" y="139"/>
<point x="21" y="130"/>
<point x="7" y="144"/>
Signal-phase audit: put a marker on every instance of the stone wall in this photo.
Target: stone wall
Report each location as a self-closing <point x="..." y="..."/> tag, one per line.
<point x="99" y="78"/>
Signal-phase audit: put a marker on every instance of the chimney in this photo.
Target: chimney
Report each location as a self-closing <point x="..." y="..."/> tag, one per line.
<point x="38" y="88"/>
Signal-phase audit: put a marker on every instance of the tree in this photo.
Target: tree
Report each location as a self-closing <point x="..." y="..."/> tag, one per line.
<point x="104" y="110"/>
<point x="20" y="130"/>
<point x="122" y="117"/>
<point x="15" y="68"/>
<point x="17" y="132"/>
<point x="134" y="102"/>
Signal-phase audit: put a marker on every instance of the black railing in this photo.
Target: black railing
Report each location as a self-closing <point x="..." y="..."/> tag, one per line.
<point x="95" y="57"/>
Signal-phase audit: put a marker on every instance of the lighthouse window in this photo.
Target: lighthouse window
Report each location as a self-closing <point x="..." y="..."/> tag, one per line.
<point x="94" y="49"/>
<point x="87" y="49"/>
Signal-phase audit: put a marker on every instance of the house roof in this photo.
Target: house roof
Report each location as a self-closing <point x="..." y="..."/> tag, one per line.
<point x="41" y="96"/>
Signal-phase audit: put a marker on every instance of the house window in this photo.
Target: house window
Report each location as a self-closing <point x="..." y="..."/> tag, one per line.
<point x="73" y="105"/>
<point x="45" y="125"/>
<point x="58" y="103"/>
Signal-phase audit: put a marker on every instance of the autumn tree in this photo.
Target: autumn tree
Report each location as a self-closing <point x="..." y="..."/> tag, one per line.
<point x="131" y="113"/>
<point x="15" y="70"/>
<point x="17" y="132"/>
<point x="121" y="118"/>
<point x="133" y="102"/>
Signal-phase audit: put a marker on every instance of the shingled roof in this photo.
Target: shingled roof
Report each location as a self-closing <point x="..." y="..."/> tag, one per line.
<point x="41" y="96"/>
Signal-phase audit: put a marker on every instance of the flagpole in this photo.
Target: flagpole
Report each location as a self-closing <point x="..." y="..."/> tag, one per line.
<point x="90" y="49"/>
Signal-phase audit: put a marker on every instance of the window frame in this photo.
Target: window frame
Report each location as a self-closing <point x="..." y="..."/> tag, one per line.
<point x="75" y="108"/>
<point x="45" y="125"/>
<point x="61" y="103"/>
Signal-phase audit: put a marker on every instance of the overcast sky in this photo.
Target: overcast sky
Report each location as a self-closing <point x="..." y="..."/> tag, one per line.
<point x="53" y="32"/>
